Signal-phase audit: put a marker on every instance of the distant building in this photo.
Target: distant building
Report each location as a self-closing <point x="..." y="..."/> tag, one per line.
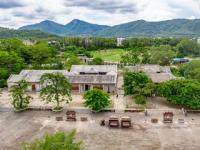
<point x="29" y="42"/>
<point x="84" y="59"/>
<point x="81" y="77"/>
<point x="120" y="41"/>
<point x="198" y="40"/>
<point x="156" y="73"/>
<point x="52" y="42"/>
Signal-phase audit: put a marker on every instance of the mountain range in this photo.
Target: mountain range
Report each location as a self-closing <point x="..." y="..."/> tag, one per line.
<point x="74" y="28"/>
<point x="139" y="28"/>
<point x="25" y="34"/>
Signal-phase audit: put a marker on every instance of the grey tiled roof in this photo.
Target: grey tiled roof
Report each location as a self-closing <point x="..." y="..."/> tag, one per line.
<point x="93" y="68"/>
<point x="157" y="73"/>
<point x="33" y="75"/>
<point x="74" y="77"/>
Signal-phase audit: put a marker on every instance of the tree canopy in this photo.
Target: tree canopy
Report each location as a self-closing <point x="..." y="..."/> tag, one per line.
<point x="133" y="81"/>
<point x="20" y="99"/>
<point x="184" y="93"/>
<point x="55" y="88"/>
<point x="188" y="47"/>
<point x="130" y="57"/>
<point x="97" y="61"/>
<point x="190" y="70"/>
<point x="96" y="99"/>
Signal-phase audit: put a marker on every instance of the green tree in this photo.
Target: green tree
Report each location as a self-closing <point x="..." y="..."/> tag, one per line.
<point x="96" y="99"/>
<point x="40" y="53"/>
<point x="148" y="89"/>
<point x="11" y="61"/>
<point x="72" y="60"/>
<point x="4" y="74"/>
<point x="130" y="57"/>
<point x="190" y="70"/>
<point x="162" y="57"/>
<point x="134" y="81"/>
<point x="181" y="92"/>
<point x="188" y="47"/>
<point x="57" y="141"/>
<point x="56" y="88"/>
<point x="20" y="99"/>
<point x="97" y="61"/>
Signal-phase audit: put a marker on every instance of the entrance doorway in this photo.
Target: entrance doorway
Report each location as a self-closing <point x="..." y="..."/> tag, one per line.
<point x="87" y="87"/>
<point x="33" y="87"/>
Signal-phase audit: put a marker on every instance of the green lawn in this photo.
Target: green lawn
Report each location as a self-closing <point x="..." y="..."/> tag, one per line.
<point x="113" y="55"/>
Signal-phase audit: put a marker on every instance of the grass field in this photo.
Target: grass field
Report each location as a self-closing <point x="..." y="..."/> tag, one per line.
<point x="113" y="55"/>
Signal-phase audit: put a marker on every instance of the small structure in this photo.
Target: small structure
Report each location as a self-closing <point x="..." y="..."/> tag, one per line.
<point x="198" y="40"/>
<point x="154" y="120"/>
<point x="168" y="117"/>
<point x="84" y="59"/>
<point x="59" y="118"/>
<point x="180" y="60"/>
<point x="181" y="121"/>
<point x="71" y="115"/>
<point x="114" y="122"/>
<point x="84" y="119"/>
<point x="126" y="122"/>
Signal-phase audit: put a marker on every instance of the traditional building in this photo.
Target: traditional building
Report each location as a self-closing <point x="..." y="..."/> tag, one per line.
<point x="32" y="77"/>
<point x="156" y="73"/>
<point x="86" y="77"/>
<point x="81" y="77"/>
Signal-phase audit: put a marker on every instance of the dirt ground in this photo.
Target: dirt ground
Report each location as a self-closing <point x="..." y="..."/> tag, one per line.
<point x="18" y="127"/>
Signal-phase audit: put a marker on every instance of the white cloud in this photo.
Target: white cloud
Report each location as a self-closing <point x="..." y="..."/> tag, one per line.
<point x="17" y="13"/>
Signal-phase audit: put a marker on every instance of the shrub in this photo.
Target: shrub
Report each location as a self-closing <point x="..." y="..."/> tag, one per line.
<point x="57" y="141"/>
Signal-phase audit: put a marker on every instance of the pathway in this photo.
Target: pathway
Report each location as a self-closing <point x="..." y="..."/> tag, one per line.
<point x="119" y="101"/>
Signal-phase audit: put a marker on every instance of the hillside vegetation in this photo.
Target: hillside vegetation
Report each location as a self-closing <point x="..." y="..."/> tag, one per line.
<point x="140" y="28"/>
<point x="25" y="34"/>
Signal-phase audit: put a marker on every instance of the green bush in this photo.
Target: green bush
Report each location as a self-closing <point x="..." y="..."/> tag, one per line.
<point x="57" y="141"/>
<point x="96" y="61"/>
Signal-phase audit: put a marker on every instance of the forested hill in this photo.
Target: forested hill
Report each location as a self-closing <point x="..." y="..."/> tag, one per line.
<point x="74" y="28"/>
<point x="140" y="28"/>
<point x="25" y="34"/>
<point x="170" y="28"/>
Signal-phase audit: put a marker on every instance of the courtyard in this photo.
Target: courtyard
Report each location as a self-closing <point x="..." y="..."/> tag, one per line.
<point x="16" y="128"/>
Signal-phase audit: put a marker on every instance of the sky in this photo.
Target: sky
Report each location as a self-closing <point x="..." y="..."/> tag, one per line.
<point x="16" y="13"/>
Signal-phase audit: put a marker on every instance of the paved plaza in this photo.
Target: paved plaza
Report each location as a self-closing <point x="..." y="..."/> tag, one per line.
<point x="144" y="135"/>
